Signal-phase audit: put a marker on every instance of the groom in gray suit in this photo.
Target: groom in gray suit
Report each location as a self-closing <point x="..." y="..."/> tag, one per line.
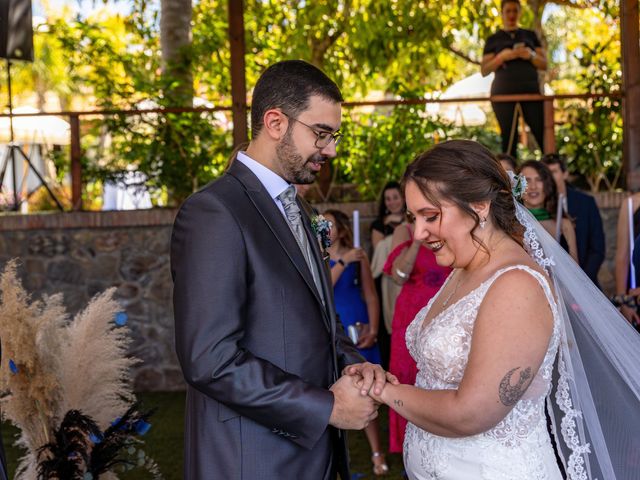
<point x="256" y="332"/>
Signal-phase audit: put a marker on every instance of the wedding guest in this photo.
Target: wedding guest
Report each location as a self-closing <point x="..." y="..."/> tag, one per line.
<point x="623" y="260"/>
<point x="256" y="332"/>
<point x="515" y="55"/>
<point x="391" y="210"/>
<point x="507" y="162"/>
<point x="413" y="266"/>
<point x="582" y="209"/>
<point x="391" y="213"/>
<point x="541" y="199"/>
<point x="357" y="306"/>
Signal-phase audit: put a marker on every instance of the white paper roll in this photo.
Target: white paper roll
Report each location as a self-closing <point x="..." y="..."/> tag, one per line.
<point x="356" y="229"/>
<point x="632" y="238"/>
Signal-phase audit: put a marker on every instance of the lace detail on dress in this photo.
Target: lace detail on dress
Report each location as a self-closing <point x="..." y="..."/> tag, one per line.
<point x="441" y="351"/>
<point x="575" y="464"/>
<point x="532" y="244"/>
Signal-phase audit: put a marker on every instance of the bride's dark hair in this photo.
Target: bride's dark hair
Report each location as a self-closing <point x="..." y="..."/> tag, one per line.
<point x="465" y="172"/>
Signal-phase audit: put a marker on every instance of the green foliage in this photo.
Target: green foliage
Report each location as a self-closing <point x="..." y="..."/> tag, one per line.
<point x="401" y="47"/>
<point x="591" y="131"/>
<point x="395" y="49"/>
<point x="178" y="153"/>
<point x="378" y="146"/>
<point x="119" y="62"/>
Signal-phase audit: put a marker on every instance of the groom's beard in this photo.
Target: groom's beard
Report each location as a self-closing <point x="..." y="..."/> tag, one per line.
<point x="295" y="169"/>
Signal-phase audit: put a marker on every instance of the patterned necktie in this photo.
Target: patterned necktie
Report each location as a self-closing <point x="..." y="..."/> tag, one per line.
<point x="294" y="219"/>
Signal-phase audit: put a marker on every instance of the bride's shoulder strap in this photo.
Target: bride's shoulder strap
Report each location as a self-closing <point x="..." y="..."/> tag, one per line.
<point x="542" y="280"/>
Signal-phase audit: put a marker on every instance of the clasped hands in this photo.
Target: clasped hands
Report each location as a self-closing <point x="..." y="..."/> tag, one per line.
<point x="522" y="52"/>
<point x="357" y="395"/>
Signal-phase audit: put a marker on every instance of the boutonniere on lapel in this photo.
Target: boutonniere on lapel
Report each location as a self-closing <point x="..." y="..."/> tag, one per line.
<point x="321" y="227"/>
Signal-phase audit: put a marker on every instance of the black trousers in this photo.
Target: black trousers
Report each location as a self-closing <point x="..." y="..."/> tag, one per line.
<point x="533" y="113"/>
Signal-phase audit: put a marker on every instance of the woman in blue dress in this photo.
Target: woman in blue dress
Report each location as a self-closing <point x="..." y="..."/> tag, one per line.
<point x="357" y="306"/>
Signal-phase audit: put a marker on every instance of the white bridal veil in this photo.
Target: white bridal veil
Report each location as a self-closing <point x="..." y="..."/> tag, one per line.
<point x="595" y="401"/>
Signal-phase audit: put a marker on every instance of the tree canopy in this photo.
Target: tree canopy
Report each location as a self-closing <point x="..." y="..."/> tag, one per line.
<point x="399" y="48"/>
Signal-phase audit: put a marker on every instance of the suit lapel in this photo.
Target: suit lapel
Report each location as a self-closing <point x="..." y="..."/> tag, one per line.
<point x="276" y="222"/>
<point x="323" y="265"/>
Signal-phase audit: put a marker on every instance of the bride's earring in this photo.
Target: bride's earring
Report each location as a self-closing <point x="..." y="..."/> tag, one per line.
<point x="483" y="222"/>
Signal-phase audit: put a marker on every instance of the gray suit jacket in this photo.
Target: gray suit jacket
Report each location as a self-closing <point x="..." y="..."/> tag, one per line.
<point x="257" y="347"/>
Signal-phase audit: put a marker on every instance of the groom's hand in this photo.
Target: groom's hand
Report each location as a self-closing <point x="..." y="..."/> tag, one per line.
<point x="351" y="411"/>
<point x="371" y="375"/>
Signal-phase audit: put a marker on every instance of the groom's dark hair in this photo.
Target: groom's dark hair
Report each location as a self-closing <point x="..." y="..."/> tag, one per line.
<point x="288" y="85"/>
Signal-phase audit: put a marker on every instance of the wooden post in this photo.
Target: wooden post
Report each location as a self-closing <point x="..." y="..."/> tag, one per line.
<point x="238" y="78"/>
<point x="549" y="127"/>
<point x="76" y="165"/>
<point x="630" y="39"/>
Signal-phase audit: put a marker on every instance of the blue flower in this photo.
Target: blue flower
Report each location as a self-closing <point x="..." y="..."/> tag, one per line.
<point x="141" y="427"/>
<point x="95" y="438"/>
<point x="321" y="227"/>
<point x="121" y="319"/>
<point x="13" y="367"/>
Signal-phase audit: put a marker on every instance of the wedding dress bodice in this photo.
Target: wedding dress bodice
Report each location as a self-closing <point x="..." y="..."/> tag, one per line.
<point x="517" y="447"/>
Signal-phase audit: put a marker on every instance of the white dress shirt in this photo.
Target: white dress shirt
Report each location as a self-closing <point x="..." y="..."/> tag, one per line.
<point x="273" y="183"/>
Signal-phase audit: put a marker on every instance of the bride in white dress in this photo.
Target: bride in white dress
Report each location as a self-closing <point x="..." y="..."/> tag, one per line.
<point x="517" y="324"/>
<point x="486" y="344"/>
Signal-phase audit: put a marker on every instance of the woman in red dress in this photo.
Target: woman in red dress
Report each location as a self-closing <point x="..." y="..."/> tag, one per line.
<point x="414" y="267"/>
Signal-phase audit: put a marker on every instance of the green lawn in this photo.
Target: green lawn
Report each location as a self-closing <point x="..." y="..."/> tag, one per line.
<point x="164" y="441"/>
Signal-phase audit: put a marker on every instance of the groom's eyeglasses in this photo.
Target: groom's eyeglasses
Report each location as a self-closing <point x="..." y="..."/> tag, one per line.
<point x="323" y="137"/>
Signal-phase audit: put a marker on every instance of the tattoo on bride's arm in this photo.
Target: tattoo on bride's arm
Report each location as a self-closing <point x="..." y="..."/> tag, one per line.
<point x="510" y="393"/>
<point x="398" y="403"/>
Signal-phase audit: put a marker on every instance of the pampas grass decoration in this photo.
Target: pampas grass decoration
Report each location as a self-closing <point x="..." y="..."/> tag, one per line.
<point x="58" y="366"/>
<point x="32" y="339"/>
<point x="96" y="352"/>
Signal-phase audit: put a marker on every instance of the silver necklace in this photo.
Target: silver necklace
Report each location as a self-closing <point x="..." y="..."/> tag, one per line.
<point x="453" y="292"/>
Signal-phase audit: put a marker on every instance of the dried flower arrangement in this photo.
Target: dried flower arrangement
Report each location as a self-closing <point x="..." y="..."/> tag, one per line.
<point x="65" y="384"/>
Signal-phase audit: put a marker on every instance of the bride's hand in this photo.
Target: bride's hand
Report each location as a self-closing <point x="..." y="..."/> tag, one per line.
<point x="373" y="377"/>
<point x="391" y="379"/>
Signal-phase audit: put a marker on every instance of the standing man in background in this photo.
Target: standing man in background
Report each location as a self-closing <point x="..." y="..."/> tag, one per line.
<point x="581" y="208"/>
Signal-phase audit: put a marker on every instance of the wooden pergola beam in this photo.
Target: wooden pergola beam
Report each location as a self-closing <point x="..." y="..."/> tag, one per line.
<point x="630" y="39"/>
<point x="238" y="78"/>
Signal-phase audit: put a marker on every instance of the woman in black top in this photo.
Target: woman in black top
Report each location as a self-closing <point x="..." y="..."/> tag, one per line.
<point x="390" y="213"/>
<point x="515" y="55"/>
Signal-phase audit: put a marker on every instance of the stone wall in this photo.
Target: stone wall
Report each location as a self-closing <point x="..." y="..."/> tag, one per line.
<point x="81" y="254"/>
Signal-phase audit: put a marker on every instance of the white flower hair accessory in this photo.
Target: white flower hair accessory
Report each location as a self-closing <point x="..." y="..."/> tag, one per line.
<point x="518" y="184"/>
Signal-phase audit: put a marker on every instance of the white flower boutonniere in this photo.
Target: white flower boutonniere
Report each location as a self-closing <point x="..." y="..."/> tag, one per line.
<point x="321" y="227"/>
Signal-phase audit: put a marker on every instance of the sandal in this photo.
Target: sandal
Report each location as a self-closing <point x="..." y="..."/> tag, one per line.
<point x="380" y="467"/>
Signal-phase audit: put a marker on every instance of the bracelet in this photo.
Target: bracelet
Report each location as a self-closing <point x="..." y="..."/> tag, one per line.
<point x="341" y="262"/>
<point x="401" y="274"/>
<point x="624" y="300"/>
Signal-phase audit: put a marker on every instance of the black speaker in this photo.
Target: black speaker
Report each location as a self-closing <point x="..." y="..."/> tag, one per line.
<point x="16" y="30"/>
